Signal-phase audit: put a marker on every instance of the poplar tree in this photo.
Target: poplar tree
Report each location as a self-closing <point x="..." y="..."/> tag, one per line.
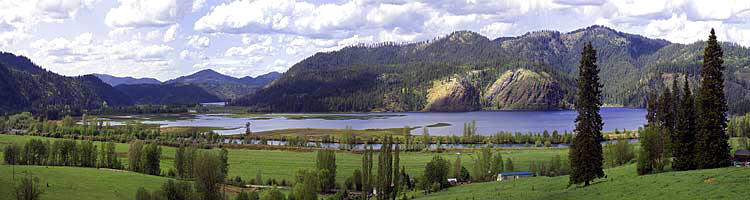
<point x="684" y="140"/>
<point x="712" y="147"/>
<point x="586" y="151"/>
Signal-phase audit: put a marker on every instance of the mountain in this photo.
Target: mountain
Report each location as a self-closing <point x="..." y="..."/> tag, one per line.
<point x="173" y="93"/>
<point x="223" y="86"/>
<point x="115" y="81"/>
<point x="24" y="86"/>
<point x="262" y="79"/>
<point x="465" y="71"/>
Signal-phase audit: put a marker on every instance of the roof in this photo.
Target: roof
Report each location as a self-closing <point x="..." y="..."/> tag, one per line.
<point x="742" y="152"/>
<point x="515" y="173"/>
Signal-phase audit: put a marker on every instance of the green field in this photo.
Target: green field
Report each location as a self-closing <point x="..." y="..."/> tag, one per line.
<point x="283" y="164"/>
<point x="621" y="183"/>
<point x="78" y="183"/>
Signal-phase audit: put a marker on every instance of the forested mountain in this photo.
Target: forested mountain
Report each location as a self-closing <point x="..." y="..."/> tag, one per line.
<point x="172" y="93"/>
<point x="25" y="86"/>
<point x="115" y="81"/>
<point x="223" y="86"/>
<point x="262" y="79"/>
<point x="465" y="71"/>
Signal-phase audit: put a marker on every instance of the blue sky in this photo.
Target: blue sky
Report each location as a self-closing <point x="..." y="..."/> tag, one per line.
<point x="165" y="39"/>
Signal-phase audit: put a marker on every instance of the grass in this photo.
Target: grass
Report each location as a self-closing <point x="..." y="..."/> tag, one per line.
<point x="283" y="164"/>
<point x="621" y="183"/>
<point x="78" y="183"/>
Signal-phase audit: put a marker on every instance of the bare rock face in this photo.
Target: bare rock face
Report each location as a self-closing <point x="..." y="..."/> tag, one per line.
<point x="523" y="89"/>
<point x="456" y="94"/>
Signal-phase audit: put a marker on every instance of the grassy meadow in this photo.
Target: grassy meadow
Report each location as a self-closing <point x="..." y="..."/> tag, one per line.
<point x="280" y="164"/>
<point x="78" y="183"/>
<point x="621" y="183"/>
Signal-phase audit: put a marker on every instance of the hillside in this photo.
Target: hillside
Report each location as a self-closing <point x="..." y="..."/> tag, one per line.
<point x="25" y="86"/>
<point x="222" y="86"/>
<point x="92" y="183"/>
<point x="174" y="93"/>
<point x="115" y="81"/>
<point x="400" y="77"/>
<point x="621" y="183"/>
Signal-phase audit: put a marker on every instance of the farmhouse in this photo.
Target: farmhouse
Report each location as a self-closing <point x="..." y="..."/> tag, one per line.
<point x="502" y="176"/>
<point x="741" y="158"/>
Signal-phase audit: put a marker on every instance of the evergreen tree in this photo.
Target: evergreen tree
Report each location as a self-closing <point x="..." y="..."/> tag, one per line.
<point x="586" y="151"/>
<point x="684" y="140"/>
<point x="666" y="117"/>
<point x="712" y="146"/>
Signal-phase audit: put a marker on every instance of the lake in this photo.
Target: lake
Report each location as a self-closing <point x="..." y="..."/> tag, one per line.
<point x="487" y="123"/>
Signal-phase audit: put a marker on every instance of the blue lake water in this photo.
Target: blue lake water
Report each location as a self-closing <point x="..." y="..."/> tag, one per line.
<point x="487" y="123"/>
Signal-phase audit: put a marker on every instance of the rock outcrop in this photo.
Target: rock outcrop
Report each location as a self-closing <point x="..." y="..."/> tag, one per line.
<point x="523" y="89"/>
<point x="456" y="94"/>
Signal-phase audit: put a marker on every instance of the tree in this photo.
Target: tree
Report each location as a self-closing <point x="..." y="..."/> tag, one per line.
<point x="483" y="164"/>
<point x="396" y="174"/>
<point x="436" y="172"/>
<point x="134" y="156"/>
<point x="651" y="158"/>
<point x="224" y="156"/>
<point x="385" y="169"/>
<point x="509" y="165"/>
<point x="497" y="163"/>
<point x="28" y="189"/>
<point x="357" y="176"/>
<point x="142" y="194"/>
<point x="208" y="175"/>
<point x="272" y="194"/>
<point x="177" y="190"/>
<point x="151" y="159"/>
<point x="326" y="160"/>
<point x="712" y="147"/>
<point x="586" y="151"/>
<point x="242" y="196"/>
<point x="666" y="118"/>
<point x="684" y="140"/>
<point x="306" y="185"/>
<point x="367" y="171"/>
<point x="11" y="154"/>
<point x="457" y="167"/>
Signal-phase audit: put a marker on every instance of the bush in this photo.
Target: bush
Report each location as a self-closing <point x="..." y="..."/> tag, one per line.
<point x="28" y="189"/>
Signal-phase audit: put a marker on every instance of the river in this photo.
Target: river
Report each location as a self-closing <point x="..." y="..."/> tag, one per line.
<point x="487" y="123"/>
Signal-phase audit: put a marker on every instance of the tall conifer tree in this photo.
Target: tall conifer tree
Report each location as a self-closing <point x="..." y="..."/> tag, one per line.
<point x="684" y="140"/>
<point x="586" y="151"/>
<point x="712" y="146"/>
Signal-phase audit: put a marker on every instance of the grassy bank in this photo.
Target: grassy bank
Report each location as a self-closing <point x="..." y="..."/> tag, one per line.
<point x="78" y="183"/>
<point x="621" y="183"/>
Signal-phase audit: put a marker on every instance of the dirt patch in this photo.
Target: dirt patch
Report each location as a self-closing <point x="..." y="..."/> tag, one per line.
<point x="231" y="189"/>
<point x="709" y="181"/>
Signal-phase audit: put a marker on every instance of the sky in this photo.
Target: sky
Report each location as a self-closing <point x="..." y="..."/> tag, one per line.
<point x="165" y="39"/>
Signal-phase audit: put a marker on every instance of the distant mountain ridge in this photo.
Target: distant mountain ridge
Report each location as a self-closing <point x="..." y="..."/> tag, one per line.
<point x="465" y="71"/>
<point x="115" y="81"/>
<point x="222" y="86"/>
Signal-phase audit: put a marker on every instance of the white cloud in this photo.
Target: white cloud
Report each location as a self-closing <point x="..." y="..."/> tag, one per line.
<point x="63" y="9"/>
<point x="497" y="29"/>
<point x="152" y="35"/>
<point x="171" y="33"/>
<point x="148" y="13"/>
<point x="199" y="42"/>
